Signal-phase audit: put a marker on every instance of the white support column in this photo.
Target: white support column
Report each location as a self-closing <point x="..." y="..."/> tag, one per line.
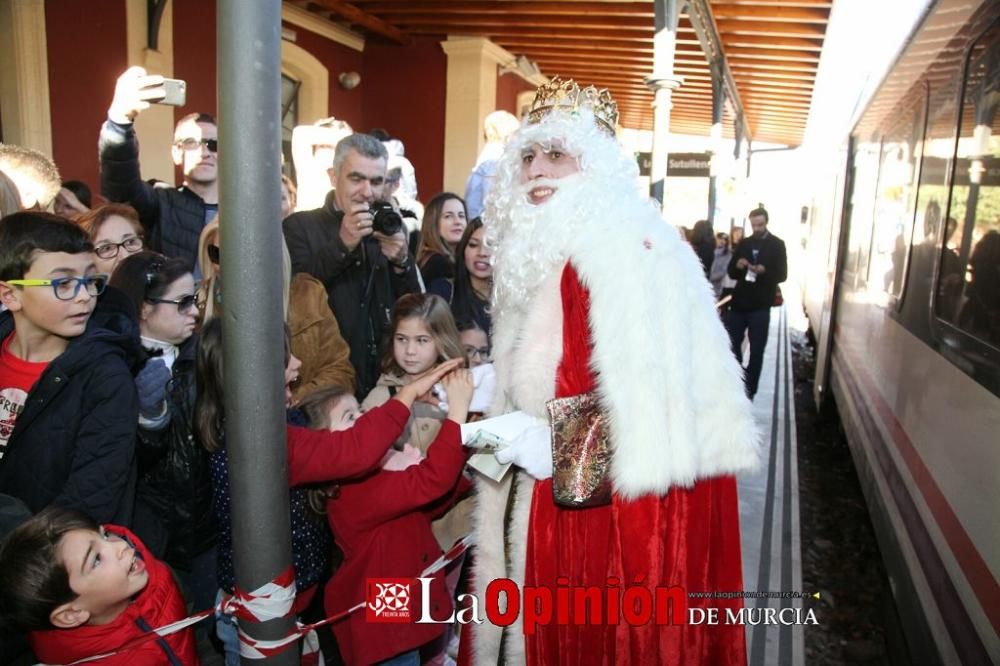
<point x="471" y="96"/>
<point x="662" y="82"/>
<point x="24" y="75"/>
<point x="154" y="126"/>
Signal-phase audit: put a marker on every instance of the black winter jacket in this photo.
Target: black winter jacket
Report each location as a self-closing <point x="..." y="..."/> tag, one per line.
<point x="74" y="443"/>
<point x="770" y="253"/>
<point x="172" y="217"/>
<point x="173" y="512"/>
<point x="362" y="287"/>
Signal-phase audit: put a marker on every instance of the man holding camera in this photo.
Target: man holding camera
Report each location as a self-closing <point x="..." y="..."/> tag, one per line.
<point x="173" y="217"/>
<point x="356" y="246"/>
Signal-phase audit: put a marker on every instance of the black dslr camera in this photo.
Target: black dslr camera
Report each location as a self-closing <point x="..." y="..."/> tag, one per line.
<point x="385" y="219"/>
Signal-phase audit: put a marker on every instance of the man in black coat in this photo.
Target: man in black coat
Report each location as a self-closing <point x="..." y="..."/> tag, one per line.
<point x="758" y="265"/>
<point x="172" y="217"/>
<point x="364" y="271"/>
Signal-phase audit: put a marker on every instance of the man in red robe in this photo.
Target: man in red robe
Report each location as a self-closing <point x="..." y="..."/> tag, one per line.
<point x="594" y="292"/>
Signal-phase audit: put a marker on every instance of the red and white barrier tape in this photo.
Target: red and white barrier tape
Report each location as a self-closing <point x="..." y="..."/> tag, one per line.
<point x="271" y="600"/>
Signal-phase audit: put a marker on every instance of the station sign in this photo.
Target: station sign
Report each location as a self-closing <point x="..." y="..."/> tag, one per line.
<point x="679" y="165"/>
<point x="689" y="165"/>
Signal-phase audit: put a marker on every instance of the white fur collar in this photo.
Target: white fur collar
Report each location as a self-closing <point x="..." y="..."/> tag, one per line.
<point x="665" y="372"/>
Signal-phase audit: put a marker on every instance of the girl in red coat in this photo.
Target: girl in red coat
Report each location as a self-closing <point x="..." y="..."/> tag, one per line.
<point x="382" y="522"/>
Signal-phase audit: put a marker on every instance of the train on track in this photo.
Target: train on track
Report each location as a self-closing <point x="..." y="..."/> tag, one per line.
<point x="904" y="303"/>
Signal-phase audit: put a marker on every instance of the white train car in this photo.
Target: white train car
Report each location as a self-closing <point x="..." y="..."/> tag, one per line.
<point x="906" y="316"/>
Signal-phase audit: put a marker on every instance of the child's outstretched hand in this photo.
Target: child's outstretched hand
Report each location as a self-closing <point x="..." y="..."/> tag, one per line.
<point x="397" y="461"/>
<point x="424" y="384"/>
<point x="458" y="386"/>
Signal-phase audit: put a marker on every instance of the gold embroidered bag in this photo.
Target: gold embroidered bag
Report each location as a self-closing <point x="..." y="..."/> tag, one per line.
<point x="581" y="451"/>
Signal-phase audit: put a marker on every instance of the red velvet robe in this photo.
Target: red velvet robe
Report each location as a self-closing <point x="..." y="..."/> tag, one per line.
<point x="689" y="537"/>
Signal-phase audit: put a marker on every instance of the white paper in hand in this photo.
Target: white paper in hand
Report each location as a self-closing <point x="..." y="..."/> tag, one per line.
<point x="502" y="430"/>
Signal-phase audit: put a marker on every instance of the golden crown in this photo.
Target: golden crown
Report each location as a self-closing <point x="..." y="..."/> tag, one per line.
<point x="568" y="96"/>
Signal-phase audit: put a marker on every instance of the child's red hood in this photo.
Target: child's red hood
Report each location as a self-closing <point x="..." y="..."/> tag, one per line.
<point x="159" y="603"/>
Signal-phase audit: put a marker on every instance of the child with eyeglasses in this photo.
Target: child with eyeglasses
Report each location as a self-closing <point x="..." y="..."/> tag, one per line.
<point x="173" y="506"/>
<point x="68" y="405"/>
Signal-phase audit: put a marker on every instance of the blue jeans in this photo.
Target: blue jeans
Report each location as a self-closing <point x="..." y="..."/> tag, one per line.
<point x="229" y="635"/>
<point x="757" y="322"/>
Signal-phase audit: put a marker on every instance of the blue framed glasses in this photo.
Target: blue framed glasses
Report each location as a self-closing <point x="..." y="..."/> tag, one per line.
<point x="66" y="288"/>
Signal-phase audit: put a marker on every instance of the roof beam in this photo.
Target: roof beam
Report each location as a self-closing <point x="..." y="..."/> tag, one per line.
<point x="500" y="31"/>
<point x="485" y="8"/>
<point x="771" y="13"/>
<point x="773" y="42"/>
<point x="769" y="28"/>
<point x="514" y="22"/>
<point x="364" y="19"/>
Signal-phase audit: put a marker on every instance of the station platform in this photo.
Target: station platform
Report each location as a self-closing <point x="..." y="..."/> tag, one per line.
<point x="769" y="504"/>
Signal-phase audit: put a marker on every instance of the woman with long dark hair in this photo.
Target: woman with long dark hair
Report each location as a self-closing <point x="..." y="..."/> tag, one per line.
<point x="441" y="230"/>
<point x="470" y="290"/>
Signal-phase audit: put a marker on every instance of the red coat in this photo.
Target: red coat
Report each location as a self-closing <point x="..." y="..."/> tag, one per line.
<point x="315" y="456"/>
<point x="158" y="604"/>
<point x="383" y="525"/>
<point x="687" y="537"/>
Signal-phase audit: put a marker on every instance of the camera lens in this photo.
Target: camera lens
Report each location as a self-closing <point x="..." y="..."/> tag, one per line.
<point x="385" y="219"/>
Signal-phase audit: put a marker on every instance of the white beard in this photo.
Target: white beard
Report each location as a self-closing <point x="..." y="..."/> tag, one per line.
<point x="533" y="240"/>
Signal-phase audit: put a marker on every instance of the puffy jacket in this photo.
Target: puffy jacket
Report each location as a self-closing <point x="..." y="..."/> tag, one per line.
<point x="74" y="443"/>
<point x="173" y="513"/>
<point x="360" y="284"/>
<point x="172" y="217"/>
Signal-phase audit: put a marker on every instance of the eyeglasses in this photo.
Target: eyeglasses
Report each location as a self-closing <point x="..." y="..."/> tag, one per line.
<point x="191" y="143"/>
<point x="66" y="288"/>
<point x="111" y="250"/>
<point x="213" y="254"/>
<point x="183" y="303"/>
<point x="482" y="352"/>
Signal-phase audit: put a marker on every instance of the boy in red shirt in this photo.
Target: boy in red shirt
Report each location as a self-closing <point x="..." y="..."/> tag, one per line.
<point x="68" y="405"/>
<point x="79" y="590"/>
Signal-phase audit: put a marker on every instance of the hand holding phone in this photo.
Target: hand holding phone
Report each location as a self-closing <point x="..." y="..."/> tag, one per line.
<point x="135" y="90"/>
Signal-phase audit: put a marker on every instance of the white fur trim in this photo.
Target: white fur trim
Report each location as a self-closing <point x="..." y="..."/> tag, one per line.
<point x="665" y="374"/>
<point x="490" y="561"/>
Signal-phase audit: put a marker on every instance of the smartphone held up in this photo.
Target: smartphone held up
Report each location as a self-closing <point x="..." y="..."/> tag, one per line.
<point x="171" y="92"/>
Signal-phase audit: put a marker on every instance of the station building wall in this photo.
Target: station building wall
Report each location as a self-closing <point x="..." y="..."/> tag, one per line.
<point x="402" y="88"/>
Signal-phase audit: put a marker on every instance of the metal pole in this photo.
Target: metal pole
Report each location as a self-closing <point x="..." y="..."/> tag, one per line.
<point x="718" y="101"/>
<point x="662" y="82"/>
<point x="249" y="82"/>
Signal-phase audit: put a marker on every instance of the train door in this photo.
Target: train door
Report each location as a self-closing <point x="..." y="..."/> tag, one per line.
<point x="837" y="238"/>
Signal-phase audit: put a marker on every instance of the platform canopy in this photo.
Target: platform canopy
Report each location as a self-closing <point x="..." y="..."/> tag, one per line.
<point x="771" y="50"/>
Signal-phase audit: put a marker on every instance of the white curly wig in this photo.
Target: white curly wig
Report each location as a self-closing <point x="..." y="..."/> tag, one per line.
<point x="530" y="240"/>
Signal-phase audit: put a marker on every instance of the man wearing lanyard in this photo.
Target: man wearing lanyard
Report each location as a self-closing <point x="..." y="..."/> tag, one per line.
<point x="758" y="265"/>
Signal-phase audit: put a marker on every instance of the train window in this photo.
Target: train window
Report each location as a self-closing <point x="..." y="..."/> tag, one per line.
<point x="896" y="198"/>
<point x="968" y="286"/>
<point x="865" y="179"/>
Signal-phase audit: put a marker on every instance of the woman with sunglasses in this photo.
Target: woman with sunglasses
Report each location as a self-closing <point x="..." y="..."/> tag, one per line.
<point x="173" y="510"/>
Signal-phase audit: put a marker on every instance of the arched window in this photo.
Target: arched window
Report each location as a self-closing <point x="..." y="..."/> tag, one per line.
<point x="289" y="119"/>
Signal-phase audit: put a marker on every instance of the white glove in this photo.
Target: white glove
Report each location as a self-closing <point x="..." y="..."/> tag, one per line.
<point x="531" y="451"/>
<point x="484" y="377"/>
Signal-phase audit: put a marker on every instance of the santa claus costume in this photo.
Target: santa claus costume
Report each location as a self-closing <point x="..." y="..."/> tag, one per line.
<point x="595" y="292"/>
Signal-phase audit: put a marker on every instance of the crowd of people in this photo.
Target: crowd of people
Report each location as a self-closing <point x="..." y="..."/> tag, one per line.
<point x="403" y="321"/>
